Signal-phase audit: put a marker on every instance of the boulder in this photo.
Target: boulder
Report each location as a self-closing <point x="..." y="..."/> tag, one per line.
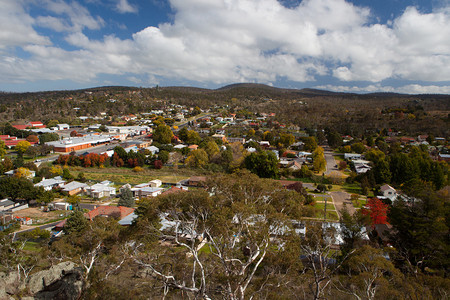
<point x="40" y="280"/>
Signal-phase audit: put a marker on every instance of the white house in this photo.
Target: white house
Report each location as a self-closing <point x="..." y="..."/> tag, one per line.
<point x="352" y="156"/>
<point x="62" y="126"/>
<point x="49" y="184"/>
<point x="389" y="192"/>
<point x="102" y="189"/>
<point x="155" y="183"/>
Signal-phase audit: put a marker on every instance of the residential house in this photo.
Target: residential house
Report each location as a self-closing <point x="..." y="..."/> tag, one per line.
<point x="155" y="183"/>
<point x="119" y="212"/>
<point x="196" y="181"/>
<point x="74" y="188"/>
<point x="389" y="192"/>
<point x="100" y="190"/>
<point x="29" y="174"/>
<point x="147" y="192"/>
<point x="236" y="140"/>
<point x="352" y="156"/>
<point x="7" y="204"/>
<point x="51" y="183"/>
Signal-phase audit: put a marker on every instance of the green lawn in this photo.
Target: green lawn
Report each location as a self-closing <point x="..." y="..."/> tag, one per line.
<point x="32" y="246"/>
<point x="321" y="206"/>
<point x="359" y="203"/>
<point x="331" y="215"/>
<point x="352" y="188"/>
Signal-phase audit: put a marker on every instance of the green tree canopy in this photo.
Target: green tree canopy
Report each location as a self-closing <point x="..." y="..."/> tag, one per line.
<point x="163" y="134"/>
<point x="126" y="198"/>
<point x="264" y="164"/>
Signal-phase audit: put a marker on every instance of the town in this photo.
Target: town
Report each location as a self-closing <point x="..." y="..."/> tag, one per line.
<point x="221" y="186"/>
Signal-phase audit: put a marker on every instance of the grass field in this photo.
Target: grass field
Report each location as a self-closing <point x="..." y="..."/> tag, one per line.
<point x="321" y="206"/>
<point x="124" y="175"/>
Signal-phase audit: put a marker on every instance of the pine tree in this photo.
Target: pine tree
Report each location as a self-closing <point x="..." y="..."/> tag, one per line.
<point x="126" y="198"/>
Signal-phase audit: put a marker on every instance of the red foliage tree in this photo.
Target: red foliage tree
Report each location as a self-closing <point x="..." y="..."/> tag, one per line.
<point x="158" y="164"/>
<point x="376" y="210"/>
<point x="33" y="138"/>
<point x="62" y="159"/>
<point x="73" y="133"/>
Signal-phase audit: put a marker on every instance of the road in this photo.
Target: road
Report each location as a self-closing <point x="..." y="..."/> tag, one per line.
<point x="341" y="200"/>
<point x="45" y="226"/>
<point x="331" y="162"/>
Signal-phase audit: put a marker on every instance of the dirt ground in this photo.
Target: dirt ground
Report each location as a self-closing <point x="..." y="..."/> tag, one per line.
<point x="37" y="215"/>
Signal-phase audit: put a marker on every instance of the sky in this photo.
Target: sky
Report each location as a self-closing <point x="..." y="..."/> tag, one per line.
<point x="339" y="45"/>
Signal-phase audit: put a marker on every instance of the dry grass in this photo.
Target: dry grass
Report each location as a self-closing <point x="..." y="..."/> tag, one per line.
<point x="125" y="175"/>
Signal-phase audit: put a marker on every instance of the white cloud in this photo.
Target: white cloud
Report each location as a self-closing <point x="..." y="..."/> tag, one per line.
<point x="124" y="7"/>
<point x="223" y="41"/>
<point x="17" y="26"/>
<point x="406" y="89"/>
<point x="76" y="15"/>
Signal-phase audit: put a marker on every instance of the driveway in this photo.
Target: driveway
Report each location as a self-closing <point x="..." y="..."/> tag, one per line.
<point x="341" y="200"/>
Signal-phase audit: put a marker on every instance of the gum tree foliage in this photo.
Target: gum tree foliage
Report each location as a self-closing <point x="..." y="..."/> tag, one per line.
<point x="233" y="221"/>
<point x="264" y="164"/>
<point x="163" y="134"/>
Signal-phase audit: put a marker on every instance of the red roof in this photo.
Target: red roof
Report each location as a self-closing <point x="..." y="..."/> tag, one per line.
<point x="110" y="211"/>
<point x="173" y="190"/>
<point x="20" y="127"/>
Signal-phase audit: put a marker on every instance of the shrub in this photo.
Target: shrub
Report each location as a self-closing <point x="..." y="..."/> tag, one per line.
<point x="138" y="169"/>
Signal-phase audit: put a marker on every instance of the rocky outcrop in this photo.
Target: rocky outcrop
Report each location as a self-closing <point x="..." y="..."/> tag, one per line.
<point x="62" y="281"/>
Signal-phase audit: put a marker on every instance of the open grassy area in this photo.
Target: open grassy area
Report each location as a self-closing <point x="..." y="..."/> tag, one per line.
<point x="331" y="215"/>
<point x="352" y="188"/>
<point x="321" y="206"/>
<point x="359" y="203"/>
<point x="32" y="246"/>
<point x="126" y="175"/>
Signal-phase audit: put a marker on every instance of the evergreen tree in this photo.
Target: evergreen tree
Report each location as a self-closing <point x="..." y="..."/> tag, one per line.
<point x="126" y="198"/>
<point x="75" y="223"/>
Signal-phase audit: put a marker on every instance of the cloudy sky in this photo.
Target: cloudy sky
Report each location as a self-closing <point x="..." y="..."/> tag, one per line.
<point x="341" y="45"/>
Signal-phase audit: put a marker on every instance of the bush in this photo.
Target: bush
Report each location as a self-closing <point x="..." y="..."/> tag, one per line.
<point x="138" y="169"/>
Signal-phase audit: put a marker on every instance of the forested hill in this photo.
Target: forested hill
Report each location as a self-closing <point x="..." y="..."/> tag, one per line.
<point x="347" y="112"/>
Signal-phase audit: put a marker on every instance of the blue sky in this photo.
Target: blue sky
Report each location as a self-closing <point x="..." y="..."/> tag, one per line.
<point x="351" y="46"/>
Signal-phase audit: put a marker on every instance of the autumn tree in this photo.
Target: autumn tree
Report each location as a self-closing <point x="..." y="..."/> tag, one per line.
<point x="197" y="158"/>
<point x="32" y="138"/>
<point x="376" y="210"/>
<point x="319" y="162"/>
<point x="22" y="146"/>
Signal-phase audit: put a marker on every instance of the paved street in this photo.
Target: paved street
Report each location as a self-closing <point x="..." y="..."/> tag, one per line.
<point x="341" y="199"/>
<point x="331" y="162"/>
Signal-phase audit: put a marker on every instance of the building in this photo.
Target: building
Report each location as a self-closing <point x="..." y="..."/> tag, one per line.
<point x="51" y="183"/>
<point x="388" y="192"/>
<point x="100" y="190"/>
<point x="79" y="143"/>
<point x="74" y="188"/>
<point x="107" y="211"/>
<point x="62" y="126"/>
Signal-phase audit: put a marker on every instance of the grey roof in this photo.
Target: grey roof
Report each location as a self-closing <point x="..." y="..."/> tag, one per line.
<point x="6" y="202"/>
<point x="128" y="219"/>
<point x="49" y="182"/>
<point x="73" y="186"/>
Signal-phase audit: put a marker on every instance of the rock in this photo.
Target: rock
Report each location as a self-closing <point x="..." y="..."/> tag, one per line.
<point x="68" y="288"/>
<point x="40" y="280"/>
<point x="62" y="281"/>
